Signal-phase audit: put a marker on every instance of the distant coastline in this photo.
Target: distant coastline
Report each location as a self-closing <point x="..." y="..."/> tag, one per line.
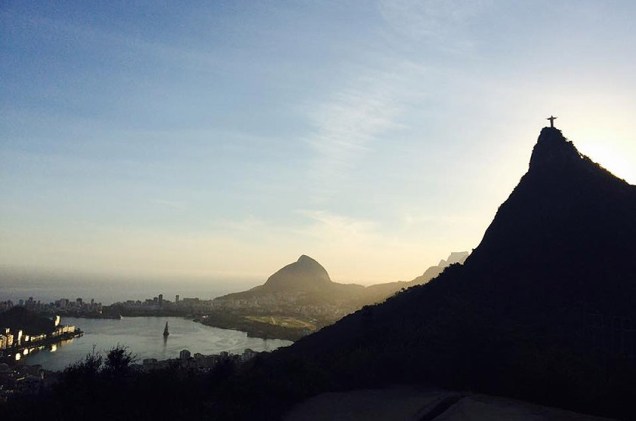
<point x="195" y="309"/>
<point x="297" y="300"/>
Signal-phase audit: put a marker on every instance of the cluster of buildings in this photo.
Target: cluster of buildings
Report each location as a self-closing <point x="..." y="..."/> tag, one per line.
<point x="77" y="306"/>
<point x="16" y="340"/>
<point x="64" y="306"/>
<point x="159" y="305"/>
<point x="197" y="361"/>
<point x="84" y="308"/>
<point x="9" y="339"/>
<point x="149" y="304"/>
<point x="288" y="303"/>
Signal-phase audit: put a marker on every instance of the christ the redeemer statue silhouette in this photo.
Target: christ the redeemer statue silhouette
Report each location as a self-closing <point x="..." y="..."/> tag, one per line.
<point x="551" y="118"/>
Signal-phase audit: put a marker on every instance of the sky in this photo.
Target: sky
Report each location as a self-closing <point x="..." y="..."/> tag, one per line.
<point x="209" y="141"/>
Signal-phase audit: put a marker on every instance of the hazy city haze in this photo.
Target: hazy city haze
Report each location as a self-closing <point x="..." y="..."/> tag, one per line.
<point x="224" y="139"/>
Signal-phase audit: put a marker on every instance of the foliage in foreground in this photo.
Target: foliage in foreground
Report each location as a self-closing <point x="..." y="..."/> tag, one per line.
<point x="111" y="388"/>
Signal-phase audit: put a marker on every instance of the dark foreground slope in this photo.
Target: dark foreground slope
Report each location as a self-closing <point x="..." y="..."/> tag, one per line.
<point x="544" y="309"/>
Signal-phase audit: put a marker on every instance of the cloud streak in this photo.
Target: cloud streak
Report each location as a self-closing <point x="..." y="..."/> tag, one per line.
<point x="351" y="120"/>
<point x="434" y="19"/>
<point x="332" y="227"/>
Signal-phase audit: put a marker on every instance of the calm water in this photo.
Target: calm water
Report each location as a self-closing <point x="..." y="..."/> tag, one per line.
<point x="143" y="336"/>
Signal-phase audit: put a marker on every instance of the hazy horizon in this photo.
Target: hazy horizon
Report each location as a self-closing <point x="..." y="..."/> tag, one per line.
<point x="47" y="286"/>
<point x="216" y="143"/>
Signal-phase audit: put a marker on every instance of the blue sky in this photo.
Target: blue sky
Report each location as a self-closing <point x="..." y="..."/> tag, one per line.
<point x="221" y="140"/>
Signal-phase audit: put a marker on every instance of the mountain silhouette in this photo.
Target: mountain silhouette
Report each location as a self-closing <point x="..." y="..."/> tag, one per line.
<point x="543" y="309"/>
<point x="379" y="292"/>
<point x="302" y="278"/>
<point x="307" y="280"/>
<point x="430" y="273"/>
<point x="301" y="298"/>
<point x="567" y="232"/>
<point x="293" y="302"/>
<point x="304" y="274"/>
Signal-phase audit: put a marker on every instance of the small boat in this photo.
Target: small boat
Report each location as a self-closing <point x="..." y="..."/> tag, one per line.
<point x="165" y="331"/>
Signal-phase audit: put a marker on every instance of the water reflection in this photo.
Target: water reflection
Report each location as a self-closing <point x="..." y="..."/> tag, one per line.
<point x="143" y="337"/>
<point x="36" y="349"/>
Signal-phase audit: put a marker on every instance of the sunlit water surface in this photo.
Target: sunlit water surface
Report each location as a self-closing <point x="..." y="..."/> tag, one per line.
<point x="143" y="336"/>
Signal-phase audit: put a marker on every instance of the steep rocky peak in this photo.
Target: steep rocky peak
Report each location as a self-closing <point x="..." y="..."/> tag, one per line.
<point x="553" y="150"/>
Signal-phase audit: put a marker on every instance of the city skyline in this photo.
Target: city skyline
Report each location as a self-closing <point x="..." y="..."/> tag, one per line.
<point x="222" y="141"/>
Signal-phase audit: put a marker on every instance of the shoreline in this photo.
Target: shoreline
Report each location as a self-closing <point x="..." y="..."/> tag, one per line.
<point x="230" y="321"/>
<point x="9" y="355"/>
<point x="253" y="328"/>
<point x="143" y="337"/>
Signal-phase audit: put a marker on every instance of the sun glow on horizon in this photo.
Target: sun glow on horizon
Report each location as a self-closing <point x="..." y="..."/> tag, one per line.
<point x="611" y="159"/>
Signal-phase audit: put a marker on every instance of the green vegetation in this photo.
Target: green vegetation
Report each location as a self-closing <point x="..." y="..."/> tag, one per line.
<point x="284" y="321"/>
<point x="287" y="328"/>
<point x="108" y="388"/>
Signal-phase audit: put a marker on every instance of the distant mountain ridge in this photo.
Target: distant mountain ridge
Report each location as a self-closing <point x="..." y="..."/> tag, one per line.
<point x="454" y="258"/>
<point x="308" y="276"/>
<point x="301" y="298"/>
<point x="378" y="292"/>
<point x="303" y="275"/>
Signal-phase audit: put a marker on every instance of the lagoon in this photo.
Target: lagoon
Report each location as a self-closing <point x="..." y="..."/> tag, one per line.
<point x="143" y="336"/>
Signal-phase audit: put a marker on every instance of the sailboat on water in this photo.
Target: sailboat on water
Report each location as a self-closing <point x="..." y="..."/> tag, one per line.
<point x="165" y="331"/>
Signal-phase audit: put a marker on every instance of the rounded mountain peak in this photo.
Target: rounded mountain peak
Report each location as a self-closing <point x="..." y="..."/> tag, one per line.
<point x="306" y="260"/>
<point x="304" y="274"/>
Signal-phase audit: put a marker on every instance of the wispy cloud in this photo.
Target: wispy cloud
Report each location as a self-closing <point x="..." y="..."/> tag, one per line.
<point x="332" y="227"/>
<point x="351" y="120"/>
<point x="439" y="22"/>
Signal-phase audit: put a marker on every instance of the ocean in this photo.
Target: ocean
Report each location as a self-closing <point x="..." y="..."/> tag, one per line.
<point x="15" y="287"/>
